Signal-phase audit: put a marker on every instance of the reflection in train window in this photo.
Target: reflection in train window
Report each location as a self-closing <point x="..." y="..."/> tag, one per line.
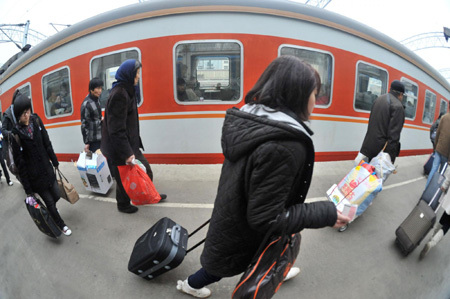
<point x="105" y="67"/>
<point x="26" y="90"/>
<point x="56" y="93"/>
<point x="443" y="108"/>
<point x="322" y="62"/>
<point x="371" y="82"/>
<point x="429" y="108"/>
<point x="208" y="71"/>
<point x="410" y="98"/>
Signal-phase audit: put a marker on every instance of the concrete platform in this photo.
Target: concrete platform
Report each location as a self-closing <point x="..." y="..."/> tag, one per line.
<point x="361" y="262"/>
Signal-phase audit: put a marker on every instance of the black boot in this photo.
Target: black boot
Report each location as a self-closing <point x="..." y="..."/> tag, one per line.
<point x="128" y="209"/>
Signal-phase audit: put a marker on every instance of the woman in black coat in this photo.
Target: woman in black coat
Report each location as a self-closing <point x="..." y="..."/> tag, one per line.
<point x="32" y="155"/>
<point x="269" y="157"/>
<point x="121" y="141"/>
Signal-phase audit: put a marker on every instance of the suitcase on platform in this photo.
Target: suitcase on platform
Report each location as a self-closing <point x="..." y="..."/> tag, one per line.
<point x="427" y="166"/>
<point x="422" y="218"/>
<point x="160" y="249"/>
<point x="43" y="220"/>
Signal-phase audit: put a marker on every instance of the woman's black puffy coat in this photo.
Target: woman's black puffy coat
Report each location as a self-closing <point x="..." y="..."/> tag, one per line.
<point x="33" y="157"/>
<point x="268" y="168"/>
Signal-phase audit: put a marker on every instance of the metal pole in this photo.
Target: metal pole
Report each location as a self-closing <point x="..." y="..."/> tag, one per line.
<point x="25" y="33"/>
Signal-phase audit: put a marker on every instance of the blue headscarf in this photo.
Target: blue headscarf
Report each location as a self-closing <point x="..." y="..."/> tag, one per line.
<point x="127" y="72"/>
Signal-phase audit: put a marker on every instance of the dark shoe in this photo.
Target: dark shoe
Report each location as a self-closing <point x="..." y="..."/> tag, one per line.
<point x="129" y="209"/>
<point x="163" y="196"/>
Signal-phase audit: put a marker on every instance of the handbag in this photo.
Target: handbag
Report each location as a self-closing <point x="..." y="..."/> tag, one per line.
<point x="67" y="190"/>
<point x="138" y="185"/>
<point x="43" y="220"/>
<point x="269" y="267"/>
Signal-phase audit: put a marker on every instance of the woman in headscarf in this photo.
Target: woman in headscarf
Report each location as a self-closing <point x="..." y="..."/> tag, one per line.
<point x="32" y="156"/>
<point x="121" y="142"/>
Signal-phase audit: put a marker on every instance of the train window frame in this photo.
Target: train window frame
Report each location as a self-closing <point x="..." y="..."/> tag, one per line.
<point x="201" y="100"/>
<point x="116" y="52"/>
<point x="383" y="91"/>
<point x="70" y="93"/>
<point x="446" y="106"/>
<point x="408" y="81"/>
<point x="427" y="91"/>
<point x="332" y="68"/>
<point x="31" y="98"/>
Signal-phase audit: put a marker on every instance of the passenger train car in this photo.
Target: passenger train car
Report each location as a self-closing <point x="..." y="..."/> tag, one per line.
<point x="213" y="52"/>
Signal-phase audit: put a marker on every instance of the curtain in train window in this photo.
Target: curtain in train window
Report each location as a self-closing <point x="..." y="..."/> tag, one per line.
<point x="57" y="93"/>
<point x="208" y="71"/>
<point x="410" y="99"/>
<point x="105" y="68"/>
<point x="443" y="107"/>
<point x="323" y="63"/>
<point x="371" y="82"/>
<point x="429" y="108"/>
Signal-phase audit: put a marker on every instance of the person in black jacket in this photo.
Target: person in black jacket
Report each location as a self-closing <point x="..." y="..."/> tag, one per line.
<point x="32" y="155"/>
<point x="91" y="117"/>
<point x="269" y="158"/>
<point x="121" y="141"/>
<point x="386" y="120"/>
<point x="434" y="127"/>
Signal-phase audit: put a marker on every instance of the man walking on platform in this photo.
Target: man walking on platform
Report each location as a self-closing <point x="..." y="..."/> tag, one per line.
<point x="91" y="117"/>
<point x="385" y="125"/>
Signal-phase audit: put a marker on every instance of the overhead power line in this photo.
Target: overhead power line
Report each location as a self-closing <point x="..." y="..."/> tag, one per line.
<point x="20" y="34"/>
<point x="428" y="40"/>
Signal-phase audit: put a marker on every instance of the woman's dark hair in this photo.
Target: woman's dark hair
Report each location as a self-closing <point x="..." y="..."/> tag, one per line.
<point x="286" y="83"/>
<point x="16" y="93"/>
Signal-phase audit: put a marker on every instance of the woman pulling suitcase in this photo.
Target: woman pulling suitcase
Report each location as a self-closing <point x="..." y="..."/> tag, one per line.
<point x="33" y="152"/>
<point x="269" y="157"/>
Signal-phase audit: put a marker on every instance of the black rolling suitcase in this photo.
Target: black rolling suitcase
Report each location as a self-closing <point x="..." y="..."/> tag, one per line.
<point x="160" y="249"/>
<point x="421" y="219"/>
<point x="43" y="220"/>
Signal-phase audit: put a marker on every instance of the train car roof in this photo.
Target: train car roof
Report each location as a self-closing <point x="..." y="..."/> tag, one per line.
<point x="282" y="8"/>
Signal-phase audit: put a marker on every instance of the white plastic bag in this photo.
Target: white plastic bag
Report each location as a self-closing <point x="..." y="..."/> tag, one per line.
<point x="383" y="165"/>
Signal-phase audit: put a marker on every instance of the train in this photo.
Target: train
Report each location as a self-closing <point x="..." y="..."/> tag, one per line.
<point x="201" y="57"/>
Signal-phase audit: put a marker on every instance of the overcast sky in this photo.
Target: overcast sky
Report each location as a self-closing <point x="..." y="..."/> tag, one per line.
<point x="398" y="19"/>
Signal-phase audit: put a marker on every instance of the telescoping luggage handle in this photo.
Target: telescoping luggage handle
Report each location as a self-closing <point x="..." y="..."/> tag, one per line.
<point x="437" y="191"/>
<point x="196" y="230"/>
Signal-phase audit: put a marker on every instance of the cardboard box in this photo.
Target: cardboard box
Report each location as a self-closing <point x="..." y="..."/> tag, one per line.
<point x="94" y="172"/>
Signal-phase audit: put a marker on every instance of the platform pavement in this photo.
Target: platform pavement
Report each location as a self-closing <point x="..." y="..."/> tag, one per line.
<point x="361" y="262"/>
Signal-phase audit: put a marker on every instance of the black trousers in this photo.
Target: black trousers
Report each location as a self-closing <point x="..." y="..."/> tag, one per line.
<point x="50" y="197"/>
<point x="5" y="169"/>
<point x="445" y="222"/>
<point x="122" y="198"/>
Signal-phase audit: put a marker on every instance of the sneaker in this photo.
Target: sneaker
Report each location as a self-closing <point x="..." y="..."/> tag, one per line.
<point x="66" y="230"/>
<point x="129" y="209"/>
<point x="10" y="183"/>
<point x="294" y="271"/>
<point x="184" y="287"/>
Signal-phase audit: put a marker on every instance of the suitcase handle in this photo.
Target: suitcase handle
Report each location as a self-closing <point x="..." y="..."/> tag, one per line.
<point x="175" y="234"/>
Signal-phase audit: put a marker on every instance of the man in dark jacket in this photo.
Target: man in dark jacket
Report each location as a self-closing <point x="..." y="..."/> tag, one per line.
<point x="385" y="124"/>
<point x="91" y="116"/>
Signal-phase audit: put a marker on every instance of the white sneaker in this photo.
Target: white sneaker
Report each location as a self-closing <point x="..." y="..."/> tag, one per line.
<point x="10" y="183"/>
<point x="294" y="271"/>
<point x="184" y="287"/>
<point x="433" y="242"/>
<point x="66" y="230"/>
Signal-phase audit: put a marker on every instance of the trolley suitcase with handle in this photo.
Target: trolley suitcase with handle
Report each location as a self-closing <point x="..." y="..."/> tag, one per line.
<point x="43" y="220"/>
<point x="422" y="218"/>
<point x="161" y="249"/>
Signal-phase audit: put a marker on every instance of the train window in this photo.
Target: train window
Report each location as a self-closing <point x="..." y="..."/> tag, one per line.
<point x="57" y="93"/>
<point x="429" y="108"/>
<point x="322" y="62"/>
<point x="443" y="108"/>
<point x="371" y="82"/>
<point x="26" y="90"/>
<point x="105" y="68"/>
<point x="410" y="98"/>
<point x="208" y="72"/>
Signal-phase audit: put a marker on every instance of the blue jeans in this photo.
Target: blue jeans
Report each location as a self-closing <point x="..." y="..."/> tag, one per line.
<point x="438" y="162"/>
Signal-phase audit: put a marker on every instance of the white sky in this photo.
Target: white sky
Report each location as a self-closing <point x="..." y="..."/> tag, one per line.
<point x="398" y="19"/>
